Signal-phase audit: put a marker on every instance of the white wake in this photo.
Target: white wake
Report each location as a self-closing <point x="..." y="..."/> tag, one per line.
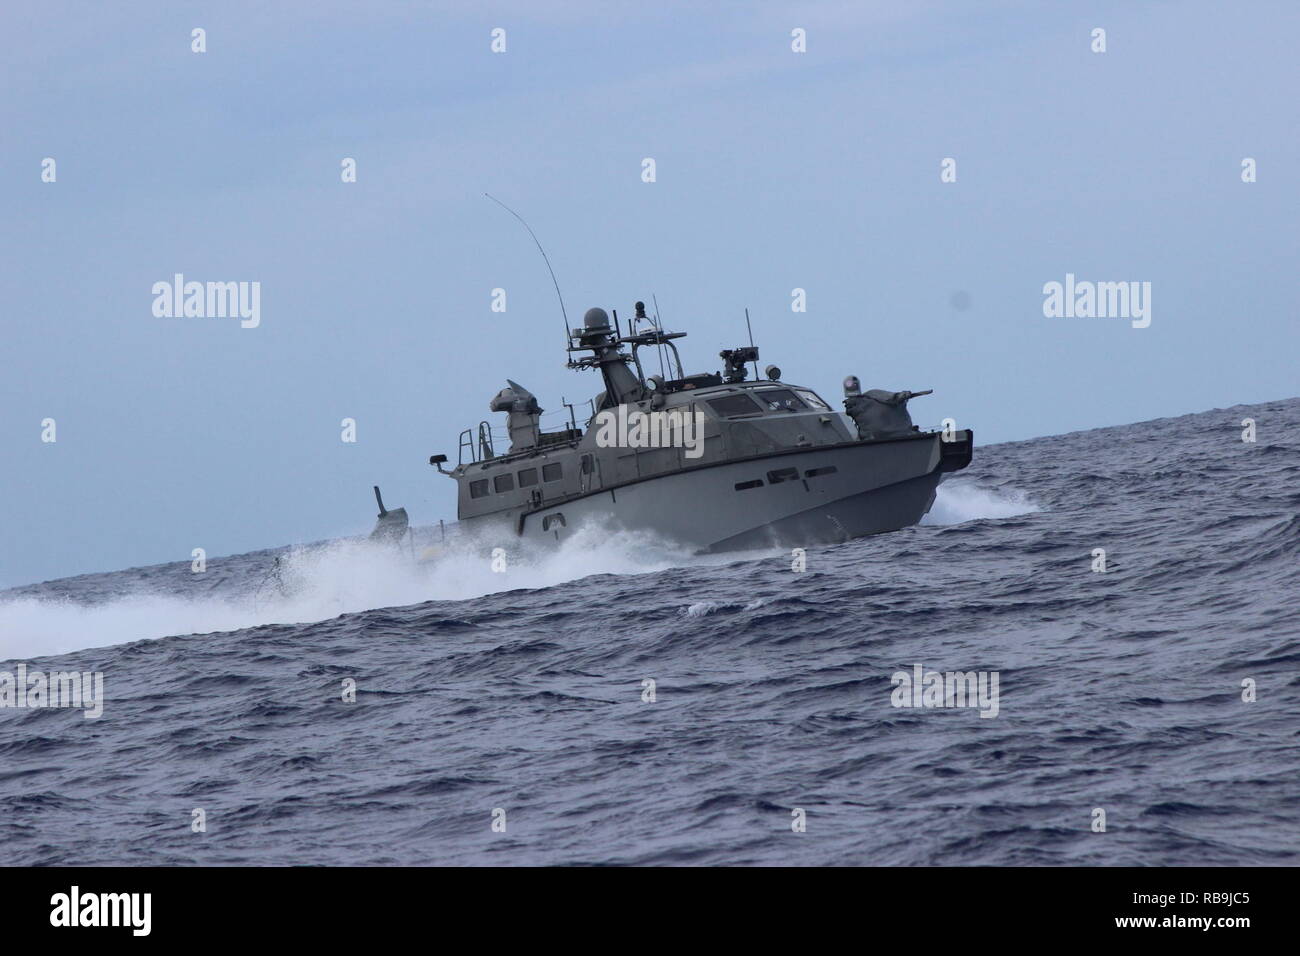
<point x="323" y="581"/>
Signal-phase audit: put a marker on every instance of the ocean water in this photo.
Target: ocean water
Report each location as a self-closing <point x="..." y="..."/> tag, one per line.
<point x="772" y="737"/>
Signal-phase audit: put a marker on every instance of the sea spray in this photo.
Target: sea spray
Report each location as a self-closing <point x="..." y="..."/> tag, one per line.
<point x="964" y="499"/>
<point x="317" y="582"/>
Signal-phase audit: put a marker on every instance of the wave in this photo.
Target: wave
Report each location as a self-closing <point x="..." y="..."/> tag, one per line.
<point x="964" y="499"/>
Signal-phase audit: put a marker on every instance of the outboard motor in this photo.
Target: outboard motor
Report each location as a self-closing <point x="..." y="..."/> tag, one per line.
<point x="524" y="415"/>
<point x="877" y="413"/>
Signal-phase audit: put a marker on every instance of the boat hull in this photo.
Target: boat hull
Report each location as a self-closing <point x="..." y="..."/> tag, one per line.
<point x="818" y="495"/>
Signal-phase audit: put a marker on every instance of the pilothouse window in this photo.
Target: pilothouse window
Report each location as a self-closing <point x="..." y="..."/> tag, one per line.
<point x="730" y="406"/>
<point x="528" y="478"/>
<point x="779" y="400"/>
<point x="504" y="483"/>
<point x="478" y="489"/>
<point x="813" y="401"/>
<point x="552" y="472"/>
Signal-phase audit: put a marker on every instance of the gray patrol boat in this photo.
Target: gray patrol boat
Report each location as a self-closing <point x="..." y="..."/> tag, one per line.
<point x="718" y="461"/>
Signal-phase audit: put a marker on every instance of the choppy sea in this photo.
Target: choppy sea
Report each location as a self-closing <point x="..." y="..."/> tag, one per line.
<point x="508" y="717"/>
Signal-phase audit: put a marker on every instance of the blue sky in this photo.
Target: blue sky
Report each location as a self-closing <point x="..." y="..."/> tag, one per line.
<point x="775" y="171"/>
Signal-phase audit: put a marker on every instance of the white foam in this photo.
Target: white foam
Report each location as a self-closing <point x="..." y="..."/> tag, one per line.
<point x="324" y="581"/>
<point x="965" y="500"/>
<point x="30" y="627"/>
<point x="321" y="582"/>
<point x="701" y="608"/>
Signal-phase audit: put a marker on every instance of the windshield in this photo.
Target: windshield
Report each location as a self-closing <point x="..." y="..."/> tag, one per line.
<point x="812" y="400"/>
<point x="778" y="400"/>
<point x="729" y="406"/>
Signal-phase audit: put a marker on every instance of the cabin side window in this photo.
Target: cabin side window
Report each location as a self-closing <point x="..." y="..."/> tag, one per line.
<point x="528" y="478"/>
<point x="504" y="482"/>
<point x="552" y="472"/>
<point x="478" y="489"/>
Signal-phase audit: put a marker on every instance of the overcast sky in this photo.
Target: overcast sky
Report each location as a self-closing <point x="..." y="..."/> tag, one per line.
<point x="775" y="170"/>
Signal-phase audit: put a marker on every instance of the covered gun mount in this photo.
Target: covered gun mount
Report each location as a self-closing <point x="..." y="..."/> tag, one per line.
<point x="877" y="413"/>
<point x="523" y="418"/>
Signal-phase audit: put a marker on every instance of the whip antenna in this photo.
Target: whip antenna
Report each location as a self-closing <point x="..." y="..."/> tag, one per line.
<point x="564" y="313"/>
<point x="751" y="340"/>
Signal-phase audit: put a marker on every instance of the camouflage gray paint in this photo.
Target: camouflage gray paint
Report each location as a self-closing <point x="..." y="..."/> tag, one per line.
<point x="779" y="467"/>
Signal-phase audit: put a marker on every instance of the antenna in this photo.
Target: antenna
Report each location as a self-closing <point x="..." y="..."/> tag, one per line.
<point x="751" y="341"/>
<point x="660" y="326"/>
<point x="568" y="333"/>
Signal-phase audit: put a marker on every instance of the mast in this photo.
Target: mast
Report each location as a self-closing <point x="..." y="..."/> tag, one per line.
<point x="596" y="336"/>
